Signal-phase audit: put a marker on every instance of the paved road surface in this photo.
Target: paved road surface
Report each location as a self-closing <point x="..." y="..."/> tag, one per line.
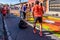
<point x="25" y="34"/>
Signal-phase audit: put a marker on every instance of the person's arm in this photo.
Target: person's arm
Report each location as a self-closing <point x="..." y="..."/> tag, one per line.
<point x="33" y="14"/>
<point x="42" y="10"/>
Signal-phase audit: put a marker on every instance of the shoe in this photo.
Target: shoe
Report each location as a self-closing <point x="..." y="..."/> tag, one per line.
<point x="34" y="31"/>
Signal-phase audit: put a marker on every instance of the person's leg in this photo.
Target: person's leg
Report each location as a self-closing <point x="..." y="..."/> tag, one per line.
<point x="40" y="21"/>
<point x="24" y="15"/>
<point x="34" y="30"/>
<point x="4" y="16"/>
<point x="21" y="14"/>
<point x="40" y="33"/>
<point x="27" y="16"/>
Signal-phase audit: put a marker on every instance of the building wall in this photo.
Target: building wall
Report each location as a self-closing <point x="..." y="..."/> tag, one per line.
<point x="42" y="1"/>
<point x="54" y="5"/>
<point x="31" y="1"/>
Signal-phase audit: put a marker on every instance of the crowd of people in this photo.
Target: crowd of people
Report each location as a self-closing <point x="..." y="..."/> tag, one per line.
<point x="37" y="10"/>
<point x="25" y="10"/>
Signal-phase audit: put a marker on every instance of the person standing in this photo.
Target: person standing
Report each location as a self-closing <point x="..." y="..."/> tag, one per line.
<point x="20" y="10"/>
<point x="24" y="11"/>
<point x="8" y="11"/>
<point x="4" y="11"/>
<point x="7" y="7"/>
<point x="37" y="14"/>
<point x="28" y="12"/>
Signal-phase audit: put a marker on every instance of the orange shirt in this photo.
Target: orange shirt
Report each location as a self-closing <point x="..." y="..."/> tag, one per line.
<point x="38" y="11"/>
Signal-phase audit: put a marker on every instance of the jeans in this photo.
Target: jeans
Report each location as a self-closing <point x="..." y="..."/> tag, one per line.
<point x="24" y="15"/>
<point x="21" y="14"/>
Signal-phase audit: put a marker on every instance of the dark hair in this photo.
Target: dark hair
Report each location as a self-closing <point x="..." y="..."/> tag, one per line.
<point x="41" y="4"/>
<point x="26" y="4"/>
<point x="32" y="4"/>
<point x="36" y="2"/>
<point x="29" y="4"/>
